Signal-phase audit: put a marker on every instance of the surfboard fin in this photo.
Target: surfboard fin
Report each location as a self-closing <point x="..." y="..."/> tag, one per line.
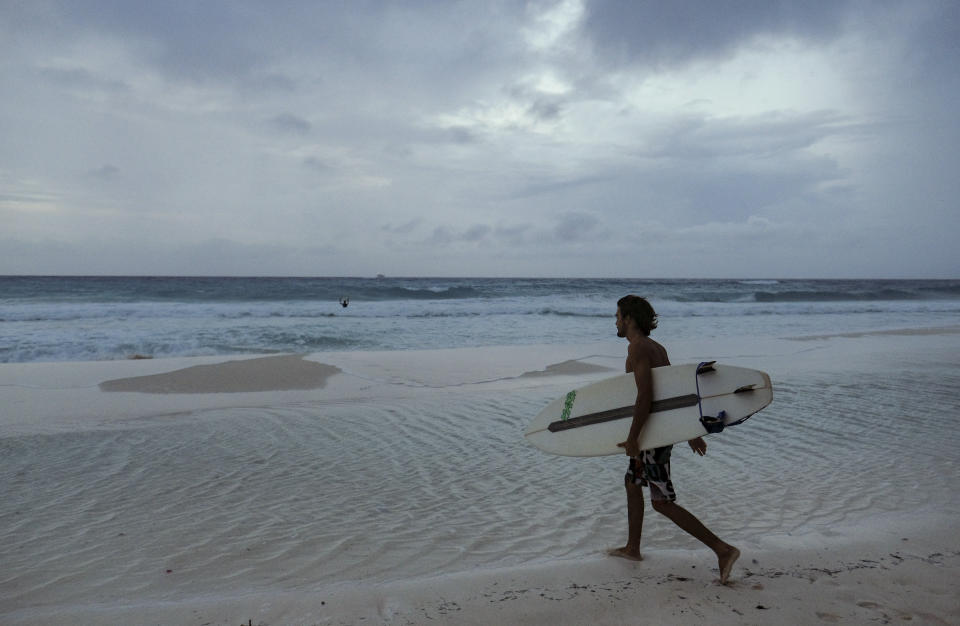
<point x="744" y="388"/>
<point x="706" y="366"/>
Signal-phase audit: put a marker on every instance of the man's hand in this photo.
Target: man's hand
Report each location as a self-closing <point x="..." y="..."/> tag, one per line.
<point x="698" y="445"/>
<point x="631" y="446"/>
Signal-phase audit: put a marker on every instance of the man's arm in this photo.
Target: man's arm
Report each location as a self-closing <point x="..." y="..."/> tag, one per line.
<point x="698" y="445"/>
<point x="643" y="376"/>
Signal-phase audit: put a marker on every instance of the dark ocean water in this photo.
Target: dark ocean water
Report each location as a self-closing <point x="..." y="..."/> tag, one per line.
<point x="95" y="318"/>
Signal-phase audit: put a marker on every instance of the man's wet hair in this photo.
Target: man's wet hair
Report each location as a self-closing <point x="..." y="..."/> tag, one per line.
<point x="640" y="310"/>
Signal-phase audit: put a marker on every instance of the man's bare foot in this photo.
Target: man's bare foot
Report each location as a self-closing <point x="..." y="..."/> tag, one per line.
<point x="726" y="562"/>
<point x="625" y="553"/>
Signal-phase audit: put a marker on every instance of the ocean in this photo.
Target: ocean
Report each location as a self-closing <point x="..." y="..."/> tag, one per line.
<point x="60" y="318"/>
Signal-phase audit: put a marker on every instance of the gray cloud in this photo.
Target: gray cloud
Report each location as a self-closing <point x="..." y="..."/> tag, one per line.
<point x="476" y="232"/>
<point x="669" y="34"/>
<point x="445" y="235"/>
<point x="560" y="184"/>
<point x="510" y="135"/>
<point x="461" y="135"/>
<point x="289" y="123"/>
<point x="82" y="79"/>
<point x="765" y="136"/>
<point x="404" y="228"/>
<point x="576" y="227"/>
<point x="105" y="172"/>
<point x="317" y="165"/>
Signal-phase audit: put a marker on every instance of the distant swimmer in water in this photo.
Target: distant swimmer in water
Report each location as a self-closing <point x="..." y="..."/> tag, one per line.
<point x="344" y="302"/>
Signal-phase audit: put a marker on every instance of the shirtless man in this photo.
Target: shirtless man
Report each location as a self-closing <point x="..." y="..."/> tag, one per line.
<point x="635" y="319"/>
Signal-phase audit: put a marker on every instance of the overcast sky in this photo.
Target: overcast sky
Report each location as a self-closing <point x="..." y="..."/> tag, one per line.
<point x="710" y="138"/>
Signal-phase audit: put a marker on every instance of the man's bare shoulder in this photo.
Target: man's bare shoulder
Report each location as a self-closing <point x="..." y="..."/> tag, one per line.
<point x="646" y="350"/>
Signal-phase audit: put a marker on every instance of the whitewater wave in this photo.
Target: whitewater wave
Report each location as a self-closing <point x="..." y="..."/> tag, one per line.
<point x="59" y="319"/>
<point x="879" y="295"/>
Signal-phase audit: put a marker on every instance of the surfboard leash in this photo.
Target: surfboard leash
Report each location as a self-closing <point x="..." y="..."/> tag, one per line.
<point x="713" y="424"/>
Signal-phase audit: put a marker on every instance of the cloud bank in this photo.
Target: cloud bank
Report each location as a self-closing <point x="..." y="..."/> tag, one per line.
<point x="578" y="138"/>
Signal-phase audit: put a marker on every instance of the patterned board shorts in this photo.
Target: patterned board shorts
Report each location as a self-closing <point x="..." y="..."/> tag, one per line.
<point x="652" y="468"/>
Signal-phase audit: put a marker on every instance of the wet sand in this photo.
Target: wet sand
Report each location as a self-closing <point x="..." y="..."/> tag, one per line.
<point x="396" y="488"/>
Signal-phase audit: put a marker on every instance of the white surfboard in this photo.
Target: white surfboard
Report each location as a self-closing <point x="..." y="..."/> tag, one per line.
<point x="592" y="420"/>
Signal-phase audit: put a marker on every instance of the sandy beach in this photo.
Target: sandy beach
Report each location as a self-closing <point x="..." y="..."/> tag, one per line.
<point x="396" y="488"/>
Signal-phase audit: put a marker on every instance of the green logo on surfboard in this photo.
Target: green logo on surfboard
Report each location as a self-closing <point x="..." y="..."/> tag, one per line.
<point x="568" y="405"/>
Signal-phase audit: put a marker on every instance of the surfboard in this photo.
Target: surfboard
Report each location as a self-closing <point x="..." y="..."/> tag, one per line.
<point x="592" y="420"/>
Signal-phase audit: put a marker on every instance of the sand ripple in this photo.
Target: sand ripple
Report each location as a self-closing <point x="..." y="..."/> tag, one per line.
<point x="299" y="496"/>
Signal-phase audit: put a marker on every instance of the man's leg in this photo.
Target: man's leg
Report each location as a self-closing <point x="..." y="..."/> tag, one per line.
<point x="634" y="517"/>
<point x="726" y="554"/>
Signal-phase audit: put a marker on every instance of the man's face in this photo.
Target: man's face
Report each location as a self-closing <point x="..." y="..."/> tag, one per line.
<point x="621" y="324"/>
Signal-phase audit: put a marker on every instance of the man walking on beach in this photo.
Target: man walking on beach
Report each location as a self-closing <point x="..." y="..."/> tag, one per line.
<point x="635" y="319"/>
